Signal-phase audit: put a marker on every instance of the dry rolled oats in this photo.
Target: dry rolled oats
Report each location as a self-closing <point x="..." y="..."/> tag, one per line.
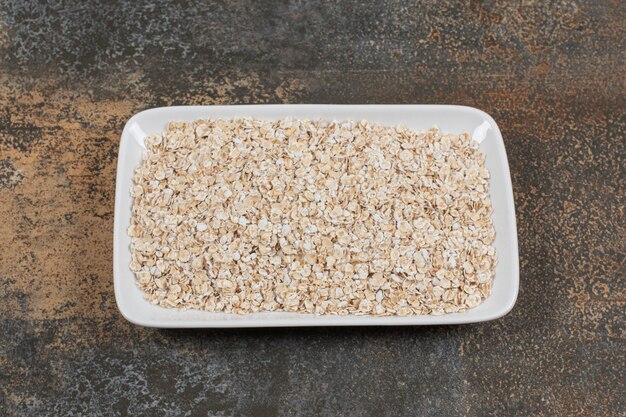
<point x="320" y="217"/>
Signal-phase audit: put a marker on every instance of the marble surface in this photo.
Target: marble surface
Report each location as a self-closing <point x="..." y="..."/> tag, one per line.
<point x="551" y="74"/>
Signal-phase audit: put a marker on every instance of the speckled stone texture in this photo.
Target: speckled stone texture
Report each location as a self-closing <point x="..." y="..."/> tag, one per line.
<point x="551" y="74"/>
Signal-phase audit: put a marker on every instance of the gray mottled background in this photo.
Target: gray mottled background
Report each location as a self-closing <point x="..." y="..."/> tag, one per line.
<point x="550" y="72"/>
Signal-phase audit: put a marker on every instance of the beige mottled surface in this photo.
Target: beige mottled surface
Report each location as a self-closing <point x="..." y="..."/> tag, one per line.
<point x="551" y="74"/>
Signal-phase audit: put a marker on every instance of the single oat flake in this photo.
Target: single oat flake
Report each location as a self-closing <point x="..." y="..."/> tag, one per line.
<point x="310" y="216"/>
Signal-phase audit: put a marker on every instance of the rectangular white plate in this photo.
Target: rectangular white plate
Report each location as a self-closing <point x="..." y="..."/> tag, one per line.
<point x="452" y="119"/>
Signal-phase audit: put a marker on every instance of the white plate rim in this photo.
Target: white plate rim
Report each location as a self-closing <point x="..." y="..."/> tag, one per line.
<point x="173" y="318"/>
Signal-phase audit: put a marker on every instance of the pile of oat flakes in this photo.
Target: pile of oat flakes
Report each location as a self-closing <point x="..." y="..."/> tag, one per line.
<point x="322" y="217"/>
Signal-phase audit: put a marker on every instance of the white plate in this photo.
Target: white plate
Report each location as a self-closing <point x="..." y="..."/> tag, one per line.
<point x="452" y="119"/>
